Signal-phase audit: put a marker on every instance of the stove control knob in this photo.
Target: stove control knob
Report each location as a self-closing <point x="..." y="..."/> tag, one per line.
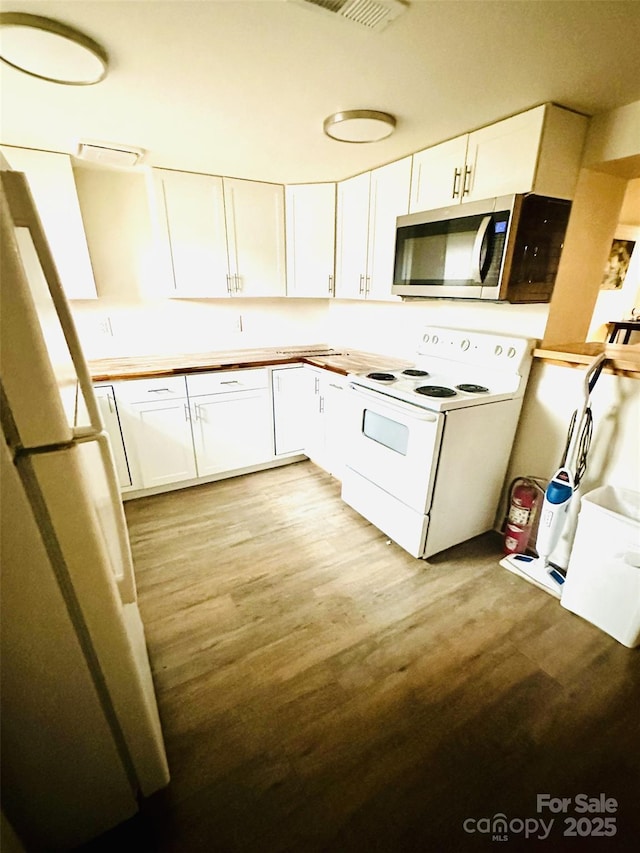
<point x="425" y="339"/>
<point x="498" y="350"/>
<point x="511" y="352"/>
<point x="435" y="339"/>
<point x="465" y="344"/>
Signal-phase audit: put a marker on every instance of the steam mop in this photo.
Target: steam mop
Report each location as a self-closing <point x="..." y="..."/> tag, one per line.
<point x="557" y="497"/>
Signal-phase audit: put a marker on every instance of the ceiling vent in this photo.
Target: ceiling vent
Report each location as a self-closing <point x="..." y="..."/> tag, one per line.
<point x="372" y="14"/>
<point x="108" y="154"/>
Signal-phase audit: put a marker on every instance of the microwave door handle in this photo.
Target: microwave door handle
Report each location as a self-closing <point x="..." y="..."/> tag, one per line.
<point x="476" y="271"/>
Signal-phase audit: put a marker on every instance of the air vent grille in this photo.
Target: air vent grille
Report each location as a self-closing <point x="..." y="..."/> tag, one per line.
<point x="372" y="14"/>
<point x="109" y="155"/>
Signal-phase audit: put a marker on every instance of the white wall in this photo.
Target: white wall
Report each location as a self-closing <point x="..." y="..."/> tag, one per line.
<point x="393" y="328"/>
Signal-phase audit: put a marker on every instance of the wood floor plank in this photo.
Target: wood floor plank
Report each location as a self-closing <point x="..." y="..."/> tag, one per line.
<point x="321" y="690"/>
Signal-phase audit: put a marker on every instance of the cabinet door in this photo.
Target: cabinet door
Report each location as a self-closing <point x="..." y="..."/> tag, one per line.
<point x="502" y="158"/>
<point x="438" y="174"/>
<point x="53" y="188"/>
<point x="231" y="431"/>
<point x="193" y="208"/>
<point x="292" y="392"/>
<point x="162" y="441"/>
<point x="335" y="422"/>
<point x="311" y="216"/>
<point x="255" y="234"/>
<point x="109" y="411"/>
<point x="315" y="440"/>
<point x="352" y="234"/>
<point x="388" y="199"/>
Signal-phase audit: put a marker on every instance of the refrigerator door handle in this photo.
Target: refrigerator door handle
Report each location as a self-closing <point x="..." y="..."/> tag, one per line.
<point x="124" y="573"/>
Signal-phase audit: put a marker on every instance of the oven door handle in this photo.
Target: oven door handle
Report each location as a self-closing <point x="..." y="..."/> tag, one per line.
<point x="383" y="402"/>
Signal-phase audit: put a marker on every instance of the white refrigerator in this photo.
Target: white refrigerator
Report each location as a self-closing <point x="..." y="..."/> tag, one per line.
<point x="81" y="740"/>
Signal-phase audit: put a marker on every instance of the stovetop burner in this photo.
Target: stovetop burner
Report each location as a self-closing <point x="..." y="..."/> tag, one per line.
<point x="472" y="389"/>
<point x="435" y="391"/>
<point x="381" y="377"/>
<point x="412" y="371"/>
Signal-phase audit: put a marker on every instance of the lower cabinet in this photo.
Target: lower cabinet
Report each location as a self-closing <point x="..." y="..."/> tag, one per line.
<point x="293" y="395"/>
<point x="182" y="428"/>
<point x="156" y="423"/>
<point x="325" y="421"/>
<point x="106" y="398"/>
<point x="176" y="429"/>
<point x="230" y="420"/>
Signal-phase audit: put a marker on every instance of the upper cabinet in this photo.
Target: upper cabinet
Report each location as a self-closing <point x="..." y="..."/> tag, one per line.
<point x="53" y="188"/>
<point x="366" y="228"/>
<point x="536" y="151"/>
<point x="222" y="236"/>
<point x="310" y="215"/>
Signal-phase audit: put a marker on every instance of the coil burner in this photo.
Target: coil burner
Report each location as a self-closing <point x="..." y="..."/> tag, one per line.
<point x="435" y="391"/>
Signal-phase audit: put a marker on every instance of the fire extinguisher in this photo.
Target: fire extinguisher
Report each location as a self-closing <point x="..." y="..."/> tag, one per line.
<point x="524" y="498"/>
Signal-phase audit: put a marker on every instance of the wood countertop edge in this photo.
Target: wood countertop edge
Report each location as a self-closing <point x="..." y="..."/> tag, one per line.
<point x="351" y="362"/>
<point x="622" y="359"/>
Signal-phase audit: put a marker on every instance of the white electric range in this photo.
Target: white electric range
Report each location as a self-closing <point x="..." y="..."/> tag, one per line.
<point x="428" y="447"/>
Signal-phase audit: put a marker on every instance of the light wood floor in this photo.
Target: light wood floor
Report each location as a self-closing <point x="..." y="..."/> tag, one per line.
<point x="320" y="689"/>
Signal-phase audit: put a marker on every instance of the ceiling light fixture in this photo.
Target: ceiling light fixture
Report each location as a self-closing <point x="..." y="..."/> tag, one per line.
<point x="50" y="50"/>
<point x="359" y="125"/>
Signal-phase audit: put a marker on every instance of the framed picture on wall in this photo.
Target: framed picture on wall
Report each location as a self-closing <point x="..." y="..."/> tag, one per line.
<point x="617" y="264"/>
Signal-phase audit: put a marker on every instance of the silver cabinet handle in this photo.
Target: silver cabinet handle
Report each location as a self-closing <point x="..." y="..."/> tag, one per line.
<point x="333" y="385"/>
<point x="158" y="390"/>
<point x="229" y="282"/>
<point x="367" y="284"/>
<point x="466" y="186"/>
<point x="456" y="183"/>
<point x="321" y="404"/>
<point x="316" y="384"/>
<point x="187" y="412"/>
<point x="230" y="382"/>
<point x="361" y="288"/>
<point x="331" y="290"/>
<point x="109" y="402"/>
<point x="238" y="282"/>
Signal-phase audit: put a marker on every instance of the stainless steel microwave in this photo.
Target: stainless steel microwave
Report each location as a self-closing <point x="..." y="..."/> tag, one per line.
<point x="504" y="249"/>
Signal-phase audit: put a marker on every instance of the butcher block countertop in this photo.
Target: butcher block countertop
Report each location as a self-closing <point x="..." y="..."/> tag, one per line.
<point x="622" y="359"/>
<point x="143" y="367"/>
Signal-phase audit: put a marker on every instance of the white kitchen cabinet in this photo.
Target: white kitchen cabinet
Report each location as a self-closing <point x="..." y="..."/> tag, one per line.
<point x="106" y="398"/>
<point x="231" y="420"/>
<point x="220" y="237"/>
<point x="191" y="207"/>
<point x="535" y="151"/>
<point x="366" y="229"/>
<point x="255" y="237"/>
<point x="52" y="185"/>
<point x="324" y="443"/>
<point x="156" y="423"/>
<point x="310" y="229"/>
<point x="293" y="391"/>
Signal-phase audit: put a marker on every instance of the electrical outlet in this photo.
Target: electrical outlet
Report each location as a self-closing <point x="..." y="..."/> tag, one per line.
<point x="239" y="323"/>
<point x="105" y="327"/>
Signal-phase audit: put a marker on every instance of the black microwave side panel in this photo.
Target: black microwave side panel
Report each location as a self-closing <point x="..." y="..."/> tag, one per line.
<point x="537" y="248"/>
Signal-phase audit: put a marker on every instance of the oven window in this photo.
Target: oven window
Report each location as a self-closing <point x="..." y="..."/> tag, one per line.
<point x="385" y="431"/>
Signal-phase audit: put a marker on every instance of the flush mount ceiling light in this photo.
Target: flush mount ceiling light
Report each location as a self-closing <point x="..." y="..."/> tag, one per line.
<point x="359" y="126"/>
<point x="50" y="50"/>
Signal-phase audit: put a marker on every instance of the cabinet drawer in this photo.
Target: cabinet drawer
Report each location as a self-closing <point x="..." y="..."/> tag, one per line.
<point x="148" y="390"/>
<point x="225" y="381"/>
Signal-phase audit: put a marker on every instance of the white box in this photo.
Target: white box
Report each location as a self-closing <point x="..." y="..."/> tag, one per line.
<point x="603" y="578"/>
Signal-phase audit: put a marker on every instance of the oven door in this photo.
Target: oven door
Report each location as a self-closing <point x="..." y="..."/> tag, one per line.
<point x="393" y="445"/>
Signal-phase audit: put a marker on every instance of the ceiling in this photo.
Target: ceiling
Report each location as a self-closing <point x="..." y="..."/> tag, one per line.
<point x="241" y="87"/>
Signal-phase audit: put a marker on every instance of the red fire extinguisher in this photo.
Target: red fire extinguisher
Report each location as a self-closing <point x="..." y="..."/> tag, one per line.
<point x="523" y="504"/>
